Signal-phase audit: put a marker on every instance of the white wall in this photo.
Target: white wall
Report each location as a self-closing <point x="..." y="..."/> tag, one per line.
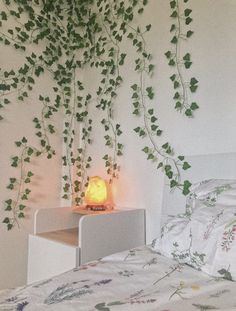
<point x="213" y="50"/>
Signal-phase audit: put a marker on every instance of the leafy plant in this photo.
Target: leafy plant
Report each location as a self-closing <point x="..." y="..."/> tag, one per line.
<point x="68" y="38"/>
<point x="142" y="96"/>
<point x="72" y="37"/>
<point x="182" y="89"/>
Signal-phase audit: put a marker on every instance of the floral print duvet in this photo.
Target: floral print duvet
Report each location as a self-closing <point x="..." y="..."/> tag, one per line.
<point x="138" y="279"/>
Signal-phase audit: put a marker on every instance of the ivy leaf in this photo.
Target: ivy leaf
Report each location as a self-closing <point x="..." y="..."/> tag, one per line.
<point x="173" y="183"/>
<point x="193" y="81"/>
<point x="151" y="156"/>
<point x="9" y="226"/>
<point x="194" y="106"/>
<point x="3" y="15"/>
<point x="30" y="151"/>
<point x="154" y="127"/>
<point x="188" y="20"/>
<point x="150" y="92"/>
<point x="174" y="14"/>
<point x="153" y="119"/>
<point x="135" y="95"/>
<point x="18" y="143"/>
<point x="145" y="149"/>
<point x="142" y="133"/>
<point x="187" y="57"/>
<point x="24" y="140"/>
<point x="172" y="28"/>
<point x="6" y="220"/>
<point x="173" y="4"/>
<point x="193" y="88"/>
<point x="174" y="40"/>
<point x="171" y="62"/>
<point x="168" y="54"/>
<point x="21" y="215"/>
<point x="188" y="113"/>
<point x="150" y="68"/>
<point x="176" y="84"/>
<point x="165" y="146"/>
<point x="187" y="12"/>
<point x="189" y="33"/>
<point x="186" y="166"/>
<point x="173" y="77"/>
<point x="187" y="65"/>
<point x="186" y="186"/>
<point x="176" y="96"/>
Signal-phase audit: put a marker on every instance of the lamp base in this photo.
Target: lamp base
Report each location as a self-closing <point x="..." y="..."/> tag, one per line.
<point x="96" y="207"/>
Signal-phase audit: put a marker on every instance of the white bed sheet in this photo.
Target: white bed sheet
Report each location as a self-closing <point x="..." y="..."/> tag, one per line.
<point x="135" y="280"/>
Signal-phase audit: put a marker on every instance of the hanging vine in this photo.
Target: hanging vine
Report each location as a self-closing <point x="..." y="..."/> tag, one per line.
<point x="71" y="37"/>
<point x="142" y="95"/>
<point x="180" y="62"/>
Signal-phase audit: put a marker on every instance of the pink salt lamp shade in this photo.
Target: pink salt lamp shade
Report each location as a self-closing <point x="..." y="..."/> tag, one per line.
<point x="98" y="193"/>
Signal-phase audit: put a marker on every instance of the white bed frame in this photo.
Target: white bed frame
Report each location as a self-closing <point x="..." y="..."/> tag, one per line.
<point x="220" y="166"/>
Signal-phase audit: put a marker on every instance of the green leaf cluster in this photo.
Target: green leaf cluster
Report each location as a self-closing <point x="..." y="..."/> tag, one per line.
<point x="181" y="20"/>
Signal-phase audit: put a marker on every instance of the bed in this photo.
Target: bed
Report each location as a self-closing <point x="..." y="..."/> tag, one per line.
<point x="138" y="279"/>
<point x="149" y="277"/>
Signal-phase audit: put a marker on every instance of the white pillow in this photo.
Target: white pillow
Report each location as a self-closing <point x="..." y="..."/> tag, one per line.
<point x="211" y="191"/>
<point x="204" y="237"/>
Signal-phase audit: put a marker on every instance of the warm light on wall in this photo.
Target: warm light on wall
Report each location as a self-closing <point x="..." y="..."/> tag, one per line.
<point x="98" y="194"/>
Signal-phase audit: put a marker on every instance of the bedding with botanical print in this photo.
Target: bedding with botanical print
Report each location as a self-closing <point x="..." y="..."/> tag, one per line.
<point x="205" y="236"/>
<point x="136" y="280"/>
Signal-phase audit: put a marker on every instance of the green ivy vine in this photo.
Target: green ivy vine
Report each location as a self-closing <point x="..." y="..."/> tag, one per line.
<point x="72" y="37"/>
<point x="142" y="95"/>
<point x="182" y="88"/>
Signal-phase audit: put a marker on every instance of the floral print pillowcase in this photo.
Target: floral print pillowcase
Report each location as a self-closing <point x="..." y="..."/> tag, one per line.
<point x="205" y="236"/>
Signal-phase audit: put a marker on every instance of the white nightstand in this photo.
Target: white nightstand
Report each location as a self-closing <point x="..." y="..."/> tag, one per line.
<point x="63" y="240"/>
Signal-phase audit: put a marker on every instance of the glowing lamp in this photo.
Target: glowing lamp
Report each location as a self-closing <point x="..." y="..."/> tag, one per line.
<point x="97" y="195"/>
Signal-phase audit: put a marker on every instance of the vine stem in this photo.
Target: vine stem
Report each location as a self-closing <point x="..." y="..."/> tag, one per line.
<point x="20" y="187"/>
<point x="110" y="107"/>
<point x="150" y="136"/>
<point x="177" y="61"/>
<point x="43" y="123"/>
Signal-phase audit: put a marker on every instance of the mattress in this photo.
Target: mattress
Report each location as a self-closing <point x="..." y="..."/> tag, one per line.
<point x="138" y="279"/>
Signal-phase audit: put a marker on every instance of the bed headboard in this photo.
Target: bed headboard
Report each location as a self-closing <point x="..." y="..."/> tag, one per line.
<point x="221" y="165"/>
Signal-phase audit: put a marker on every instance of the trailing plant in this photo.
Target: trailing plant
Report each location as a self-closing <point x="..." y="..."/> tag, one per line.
<point x="142" y="95"/>
<point x="20" y="185"/>
<point x="182" y="88"/>
<point x="71" y="37"/>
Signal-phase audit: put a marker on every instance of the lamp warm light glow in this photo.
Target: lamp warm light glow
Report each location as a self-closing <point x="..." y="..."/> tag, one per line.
<point x="97" y="195"/>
